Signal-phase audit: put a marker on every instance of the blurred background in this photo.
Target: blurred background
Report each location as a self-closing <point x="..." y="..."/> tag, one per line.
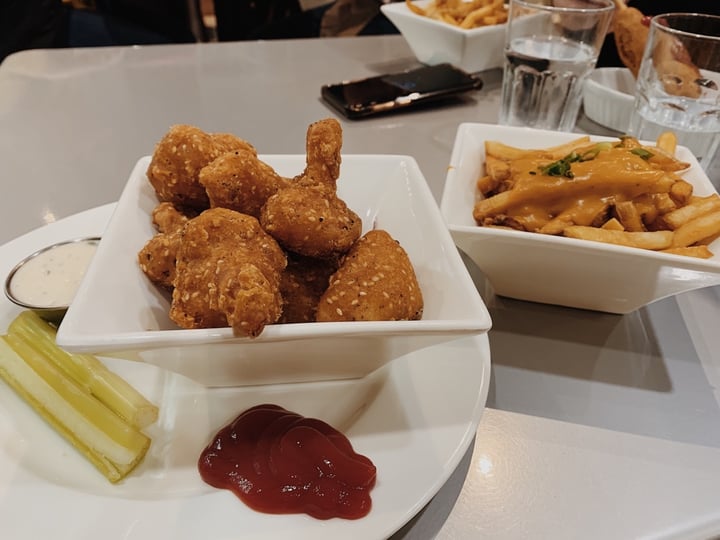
<point x="27" y="24"/>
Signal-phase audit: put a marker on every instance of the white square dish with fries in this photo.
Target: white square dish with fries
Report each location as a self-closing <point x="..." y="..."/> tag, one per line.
<point x="118" y="311"/>
<point x="555" y="269"/>
<point x="435" y="41"/>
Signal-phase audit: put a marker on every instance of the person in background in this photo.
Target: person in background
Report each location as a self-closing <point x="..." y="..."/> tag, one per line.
<point x="31" y="24"/>
<point x="36" y="24"/>
<point x="356" y="17"/>
<point x="289" y="19"/>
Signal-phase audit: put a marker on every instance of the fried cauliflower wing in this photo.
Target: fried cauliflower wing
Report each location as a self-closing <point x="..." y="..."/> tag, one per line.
<point x="308" y="217"/>
<point x="323" y="145"/>
<point x="227" y="142"/>
<point x="158" y="255"/>
<point x="178" y="158"/>
<point x="375" y="282"/>
<point x="168" y="218"/>
<point x="311" y="221"/>
<point x="157" y="259"/>
<point x="227" y="274"/>
<point x="240" y="181"/>
<point x="176" y="163"/>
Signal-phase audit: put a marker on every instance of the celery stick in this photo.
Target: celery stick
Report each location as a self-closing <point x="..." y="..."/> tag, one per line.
<point x="86" y="370"/>
<point x="113" y="446"/>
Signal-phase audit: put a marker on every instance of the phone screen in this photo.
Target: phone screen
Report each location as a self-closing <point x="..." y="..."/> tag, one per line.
<point x="386" y="92"/>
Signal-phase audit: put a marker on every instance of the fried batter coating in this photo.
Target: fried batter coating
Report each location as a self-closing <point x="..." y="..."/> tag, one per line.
<point x="302" y="284"/>
<point x="308" y="217"/>
<point x="227" y="142"/>
<point x="241" y="182"/>
<point x="631" y="34"/>
<point x="167" y="218"/>
<point x="176" y="163"/>
<point x="675" y="68"/>
<point x="323" y="144"/>
<point x="311" y="221"/>
<point x="157" y="258"/>
<point x="228" y="274"/>
<point x="375" y="282"/>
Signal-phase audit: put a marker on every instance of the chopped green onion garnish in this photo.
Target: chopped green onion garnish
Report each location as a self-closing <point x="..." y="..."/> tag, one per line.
<point x="641" y="152"/>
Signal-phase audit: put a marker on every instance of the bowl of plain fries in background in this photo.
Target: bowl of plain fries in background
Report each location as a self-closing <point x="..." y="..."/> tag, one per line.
<point x="469" y="34"/>
<point x="598" y="223"/>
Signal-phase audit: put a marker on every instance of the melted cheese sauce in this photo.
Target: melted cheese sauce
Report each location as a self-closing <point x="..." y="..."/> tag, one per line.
<point x="52" y="277"/>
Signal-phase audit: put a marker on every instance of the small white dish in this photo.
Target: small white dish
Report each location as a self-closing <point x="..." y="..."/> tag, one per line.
<point x="555" y="269"/>
<point x="118" y="311"/>
<point x="46" y="280"/>
<point x="414" y="417"/>
<point x="435" y="42"/>
<point x="608" y="97"/>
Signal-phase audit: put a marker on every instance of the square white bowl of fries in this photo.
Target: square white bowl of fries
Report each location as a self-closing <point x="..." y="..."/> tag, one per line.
<point x="467" y="33"/>
<point x="597" y="223"/>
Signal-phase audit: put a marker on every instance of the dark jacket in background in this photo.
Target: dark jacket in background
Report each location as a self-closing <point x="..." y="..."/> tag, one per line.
<point x="31" y="24"/>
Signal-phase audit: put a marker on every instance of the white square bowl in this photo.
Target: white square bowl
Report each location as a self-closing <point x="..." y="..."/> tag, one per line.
<point x="559" y="270"/>
<point x="435" y="42"/>
<point x="117" y="311"/>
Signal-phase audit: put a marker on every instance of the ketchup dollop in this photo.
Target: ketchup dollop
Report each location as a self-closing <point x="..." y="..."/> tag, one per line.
<point x="280" y="462"/>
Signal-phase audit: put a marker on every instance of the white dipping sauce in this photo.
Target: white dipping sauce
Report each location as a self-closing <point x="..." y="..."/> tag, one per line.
<point x="52" y="277"/>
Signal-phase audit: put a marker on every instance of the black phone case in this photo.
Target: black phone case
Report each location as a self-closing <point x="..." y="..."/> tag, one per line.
<point x="398" y="91"/>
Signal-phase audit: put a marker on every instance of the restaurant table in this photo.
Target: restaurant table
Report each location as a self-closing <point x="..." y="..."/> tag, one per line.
<point x="596" y="426"/>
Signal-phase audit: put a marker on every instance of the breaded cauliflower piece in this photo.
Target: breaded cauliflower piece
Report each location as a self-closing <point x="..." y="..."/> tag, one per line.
<point x="375" y="282"/>
<point x="240" y="181"/>
<point x="227" y="274"/>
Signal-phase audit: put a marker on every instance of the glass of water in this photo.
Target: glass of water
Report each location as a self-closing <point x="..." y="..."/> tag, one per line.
<point x="678" y="85"/>
<point x="551" y="46"/>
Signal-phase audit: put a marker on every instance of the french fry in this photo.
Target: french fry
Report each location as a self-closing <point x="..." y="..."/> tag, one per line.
<point x="647" y="208"/>
<point x="693" y="209"/>
<point x="680" y="192"/>
<point x="475" y="17"/>
<point x="612" y="224"/>
<point x="497" y="168"/>
<point x="509" y="153"/>
<point x="558" y="192"/>
<point x="667" y="142"/>
<point x="620" y="192"/>
<point x="663" y="203"/>
<point x="655" y="240"/>
<point x="701" y="252"/>
<point x="463" y="14"/>
<point x="486" y="184"/>
<point x="416" y="9"/>
<point x="628" y="215"/>
<point x="580" y="214"/>
<point x="697" y="229"/>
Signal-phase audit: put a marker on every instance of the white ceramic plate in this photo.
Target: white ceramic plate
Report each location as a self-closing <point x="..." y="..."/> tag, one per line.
<point x="435" y="42"/>
<point x="555" y="269"/>
<point x="118" y="309"/>
<point x="415" y="418"/>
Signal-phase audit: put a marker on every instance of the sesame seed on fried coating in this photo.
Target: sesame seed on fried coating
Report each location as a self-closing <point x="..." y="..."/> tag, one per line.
<point x="375" y="282"/>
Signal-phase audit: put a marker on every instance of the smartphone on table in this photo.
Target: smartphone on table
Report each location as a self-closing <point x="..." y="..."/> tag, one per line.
<point x="396" y="91"/>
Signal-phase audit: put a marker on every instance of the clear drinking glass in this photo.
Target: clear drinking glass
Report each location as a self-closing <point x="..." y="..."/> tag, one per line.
<point x="678" y="85"/>
<point x="551" y="46"/>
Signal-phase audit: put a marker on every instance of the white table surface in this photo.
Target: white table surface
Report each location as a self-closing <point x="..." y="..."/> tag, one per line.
<point x="597" y="426"/>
